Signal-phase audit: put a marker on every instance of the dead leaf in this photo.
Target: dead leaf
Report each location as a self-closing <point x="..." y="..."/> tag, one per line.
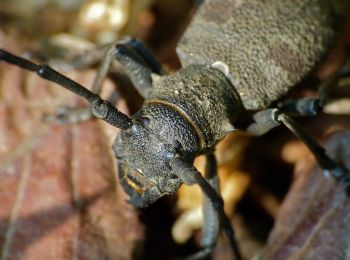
<point x="60" y="198"/>
<point x="314" y="220"/>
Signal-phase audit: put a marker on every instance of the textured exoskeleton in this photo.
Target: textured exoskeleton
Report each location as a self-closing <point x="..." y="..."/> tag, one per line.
<point x="268" y="46"/>
<point x="238" y="58"/>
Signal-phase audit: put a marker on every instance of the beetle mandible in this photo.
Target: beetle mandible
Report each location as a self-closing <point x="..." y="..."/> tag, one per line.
<point x="238" y="58"/>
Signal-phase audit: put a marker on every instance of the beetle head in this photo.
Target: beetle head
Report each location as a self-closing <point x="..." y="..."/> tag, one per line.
<point x="143" y="165"/>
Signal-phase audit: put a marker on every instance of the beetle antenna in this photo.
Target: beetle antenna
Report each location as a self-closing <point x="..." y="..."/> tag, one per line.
<point x="100" y="108"/>
<point x="189" y="175"/>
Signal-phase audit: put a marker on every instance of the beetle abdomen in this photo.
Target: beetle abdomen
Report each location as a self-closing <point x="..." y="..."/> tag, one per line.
<point x="268" y="45"/>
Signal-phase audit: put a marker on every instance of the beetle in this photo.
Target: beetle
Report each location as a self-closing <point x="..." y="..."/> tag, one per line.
<point x="238" y="58"/>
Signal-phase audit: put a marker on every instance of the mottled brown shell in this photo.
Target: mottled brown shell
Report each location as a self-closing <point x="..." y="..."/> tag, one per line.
<point x="268" y="45"/>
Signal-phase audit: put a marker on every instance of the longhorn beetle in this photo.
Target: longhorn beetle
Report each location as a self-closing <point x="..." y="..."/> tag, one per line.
<point x="238" y="58"/>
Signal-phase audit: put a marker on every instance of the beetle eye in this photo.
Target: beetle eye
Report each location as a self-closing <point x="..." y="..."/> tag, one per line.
<point x="173" y="177"/>
<point x="178" y="146"/>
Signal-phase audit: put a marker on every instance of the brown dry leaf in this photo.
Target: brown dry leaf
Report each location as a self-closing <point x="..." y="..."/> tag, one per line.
<point x="314" y="220"/>
<point x="58" y="186"/>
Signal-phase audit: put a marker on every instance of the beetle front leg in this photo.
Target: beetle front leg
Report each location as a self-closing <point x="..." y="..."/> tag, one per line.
<point x="69" y="115"/>
<point x="100" y="108"/>
<point x="75" y="115"/>
<point x="136" y="60"/>
<point x="190" y="176"/>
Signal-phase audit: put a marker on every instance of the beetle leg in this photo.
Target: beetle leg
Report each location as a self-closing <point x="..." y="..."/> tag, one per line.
<point x="329" y="166"/>
<point x="189" y="175"/>
<point x="100" y="108"/>
<point x="86" y="59"/>
<point x="312" y="106"/>
<point x="326" y="85"/>
<point x="66" y="53"/>
<point x="136" y="60"/>
<point x="69" y="115"/>
<point x="264" y="121"/>
<point x="75" y="115"/>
